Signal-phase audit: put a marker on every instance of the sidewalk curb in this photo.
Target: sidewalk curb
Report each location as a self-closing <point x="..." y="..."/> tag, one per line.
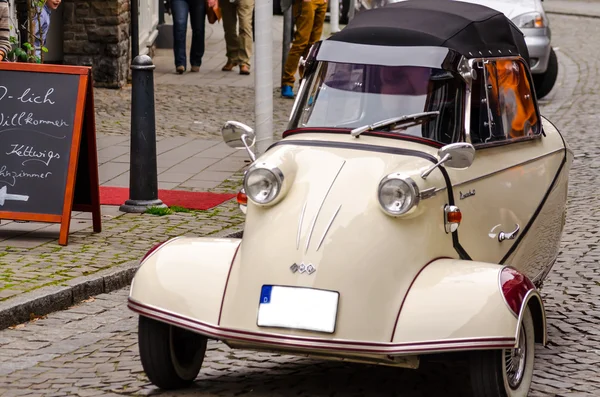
<point x="572" y="14"/>
<point x="55" y="298"/>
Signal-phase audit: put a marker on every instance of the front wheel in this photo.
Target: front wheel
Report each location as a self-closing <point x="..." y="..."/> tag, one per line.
<point x="544" y="82"/>
<point x="508" y="372"/>
<point x="171" y="356"/>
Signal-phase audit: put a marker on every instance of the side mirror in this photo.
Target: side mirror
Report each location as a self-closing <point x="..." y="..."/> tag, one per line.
<point x="238" y="135"/>
<point x="461" y="155"/>
<point x="454" y="155"/>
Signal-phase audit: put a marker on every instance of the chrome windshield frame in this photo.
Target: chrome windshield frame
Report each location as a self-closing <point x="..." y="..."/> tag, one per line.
<point x="425" y="56"/>
<point x="461" y="70"/>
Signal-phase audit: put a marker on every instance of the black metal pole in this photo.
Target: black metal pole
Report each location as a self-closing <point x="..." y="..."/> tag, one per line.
<point x="161" y="12"/>
<point x="135" y="29"/>
<point x="143" y="179"/>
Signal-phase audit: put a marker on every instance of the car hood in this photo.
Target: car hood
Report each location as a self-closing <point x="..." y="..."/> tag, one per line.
<point x="330" y="218"/>
<point x="511" y="8"/>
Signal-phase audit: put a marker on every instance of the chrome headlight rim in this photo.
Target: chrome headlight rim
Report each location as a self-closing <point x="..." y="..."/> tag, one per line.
<point x="278" y="176"/>
<point x="413" y="188"/>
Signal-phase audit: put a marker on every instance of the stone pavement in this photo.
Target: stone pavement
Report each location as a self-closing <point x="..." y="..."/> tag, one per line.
<point x="91" y="349"/>
<point x="190" y="110"/>
<point x="586" y="8"/>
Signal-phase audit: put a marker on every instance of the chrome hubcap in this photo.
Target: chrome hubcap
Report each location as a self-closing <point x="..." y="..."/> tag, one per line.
<point x="514" y="360"/>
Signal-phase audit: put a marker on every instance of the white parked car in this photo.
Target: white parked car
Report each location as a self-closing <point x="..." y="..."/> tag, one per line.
<point x="531" y="19"/>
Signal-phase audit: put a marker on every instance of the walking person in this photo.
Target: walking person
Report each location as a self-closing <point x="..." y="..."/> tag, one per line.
<point x="309" y="16"/>
<point x="41" y="33"/>
<point x="5" y="46"/>
<point x="239" y="45"/>
<point x="197" y="12"/>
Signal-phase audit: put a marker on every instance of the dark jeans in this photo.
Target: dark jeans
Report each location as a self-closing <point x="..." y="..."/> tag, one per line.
<point x="197" y="11"/>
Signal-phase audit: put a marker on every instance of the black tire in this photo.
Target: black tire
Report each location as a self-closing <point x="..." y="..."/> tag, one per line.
<point x="544" y="82"/>
<point x="277" y="8"/>
<point x="171" y="356"/>
<point x="489" y="374"/>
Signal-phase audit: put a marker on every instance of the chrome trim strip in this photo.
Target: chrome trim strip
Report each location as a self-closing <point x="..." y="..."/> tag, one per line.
<point x="312" y="227"/>
<point x="428" y="193"/>
<point x="508" y="168"/>
<point x="300" y="225"/>
<point x="312" y="343"/>
<point x="328" y="226"/>
<point x="530" y="294"/>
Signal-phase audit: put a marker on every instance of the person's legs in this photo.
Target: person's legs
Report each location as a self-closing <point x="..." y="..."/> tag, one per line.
<point x="304" y="17"/>
<point x="317" y="28"/>
<point x="180" y="11"/>
<point x="244" y="12"/>
<point x="197" y="18"/>
<point x="229" y="16"/>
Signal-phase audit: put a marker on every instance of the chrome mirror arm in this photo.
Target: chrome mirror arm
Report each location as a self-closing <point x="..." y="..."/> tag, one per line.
<point x="250" y="152"/>
<point x="425" y="174"/>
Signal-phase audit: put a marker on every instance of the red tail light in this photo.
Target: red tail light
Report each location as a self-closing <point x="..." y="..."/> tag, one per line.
<point x="514" y="288"/>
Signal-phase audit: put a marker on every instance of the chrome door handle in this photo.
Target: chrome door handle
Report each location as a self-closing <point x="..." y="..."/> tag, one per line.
<point x="509" y="236"/>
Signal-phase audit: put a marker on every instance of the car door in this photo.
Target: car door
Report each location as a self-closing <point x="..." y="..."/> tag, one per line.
<point x="514" y="166"/>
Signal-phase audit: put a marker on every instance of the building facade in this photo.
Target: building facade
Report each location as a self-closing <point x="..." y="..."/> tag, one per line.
<point x="97" y="33"/>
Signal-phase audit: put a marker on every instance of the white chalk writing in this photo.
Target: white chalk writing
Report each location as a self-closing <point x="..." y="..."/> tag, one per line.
<point x="27" y="119"/>
<point x="44" y="156"/>
<point x="29" y="97"/>
<point x="12" y="176"/>
<point x="26" y="97"/>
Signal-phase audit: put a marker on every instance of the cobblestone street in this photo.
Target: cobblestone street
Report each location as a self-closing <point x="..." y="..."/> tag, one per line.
<point x="91" y="349"/>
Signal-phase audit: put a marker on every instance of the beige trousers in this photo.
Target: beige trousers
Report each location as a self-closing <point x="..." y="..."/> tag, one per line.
<point x="239" y="45"/>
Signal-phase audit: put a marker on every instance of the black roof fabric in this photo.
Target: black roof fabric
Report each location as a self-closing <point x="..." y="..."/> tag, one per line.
<point x="471" y="29"/>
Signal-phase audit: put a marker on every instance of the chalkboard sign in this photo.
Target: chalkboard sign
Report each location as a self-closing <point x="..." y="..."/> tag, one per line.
<point x="43" y="111"/>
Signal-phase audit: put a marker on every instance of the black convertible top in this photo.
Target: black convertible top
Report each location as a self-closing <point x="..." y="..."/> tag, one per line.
<point x="470" y="29"/>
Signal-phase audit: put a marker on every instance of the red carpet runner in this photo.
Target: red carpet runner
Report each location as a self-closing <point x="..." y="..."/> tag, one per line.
<point x="192" y="200"/>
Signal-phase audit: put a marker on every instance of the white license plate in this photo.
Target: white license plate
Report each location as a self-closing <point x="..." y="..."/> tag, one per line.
<point x="297" y="308"/>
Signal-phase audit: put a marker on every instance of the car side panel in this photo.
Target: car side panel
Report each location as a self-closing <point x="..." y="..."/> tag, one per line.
<point x="503" y="189"/>
<point x="538" y="250"/>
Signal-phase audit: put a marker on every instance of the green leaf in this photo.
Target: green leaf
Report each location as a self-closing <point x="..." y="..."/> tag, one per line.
<point x="44" y="49"/>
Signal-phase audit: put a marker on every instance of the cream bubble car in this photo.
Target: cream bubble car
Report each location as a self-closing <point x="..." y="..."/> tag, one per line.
<point x="414" y="206"/>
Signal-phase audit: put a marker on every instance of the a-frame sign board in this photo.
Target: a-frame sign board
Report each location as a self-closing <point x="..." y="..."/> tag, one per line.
<point x="48" y="155"/>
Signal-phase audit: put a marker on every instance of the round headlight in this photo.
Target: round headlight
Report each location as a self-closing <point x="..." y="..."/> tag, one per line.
<point x="397" y="195"/>
<point x="262" y="183"/>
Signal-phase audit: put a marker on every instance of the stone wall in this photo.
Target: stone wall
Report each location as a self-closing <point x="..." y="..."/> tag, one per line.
<point x="96" y="33"/>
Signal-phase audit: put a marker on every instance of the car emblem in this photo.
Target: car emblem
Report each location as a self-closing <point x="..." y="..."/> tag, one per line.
<point x="302" y="268"/>
<point x="467" y="194"/>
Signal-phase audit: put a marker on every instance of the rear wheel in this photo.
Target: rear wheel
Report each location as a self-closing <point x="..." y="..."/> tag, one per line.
<point x="508" y="372"/>
<point x="171" y="356"/>
<point x="544" y="82"/>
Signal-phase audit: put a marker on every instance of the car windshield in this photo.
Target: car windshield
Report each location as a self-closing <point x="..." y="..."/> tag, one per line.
<point x="346" y="95"/>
